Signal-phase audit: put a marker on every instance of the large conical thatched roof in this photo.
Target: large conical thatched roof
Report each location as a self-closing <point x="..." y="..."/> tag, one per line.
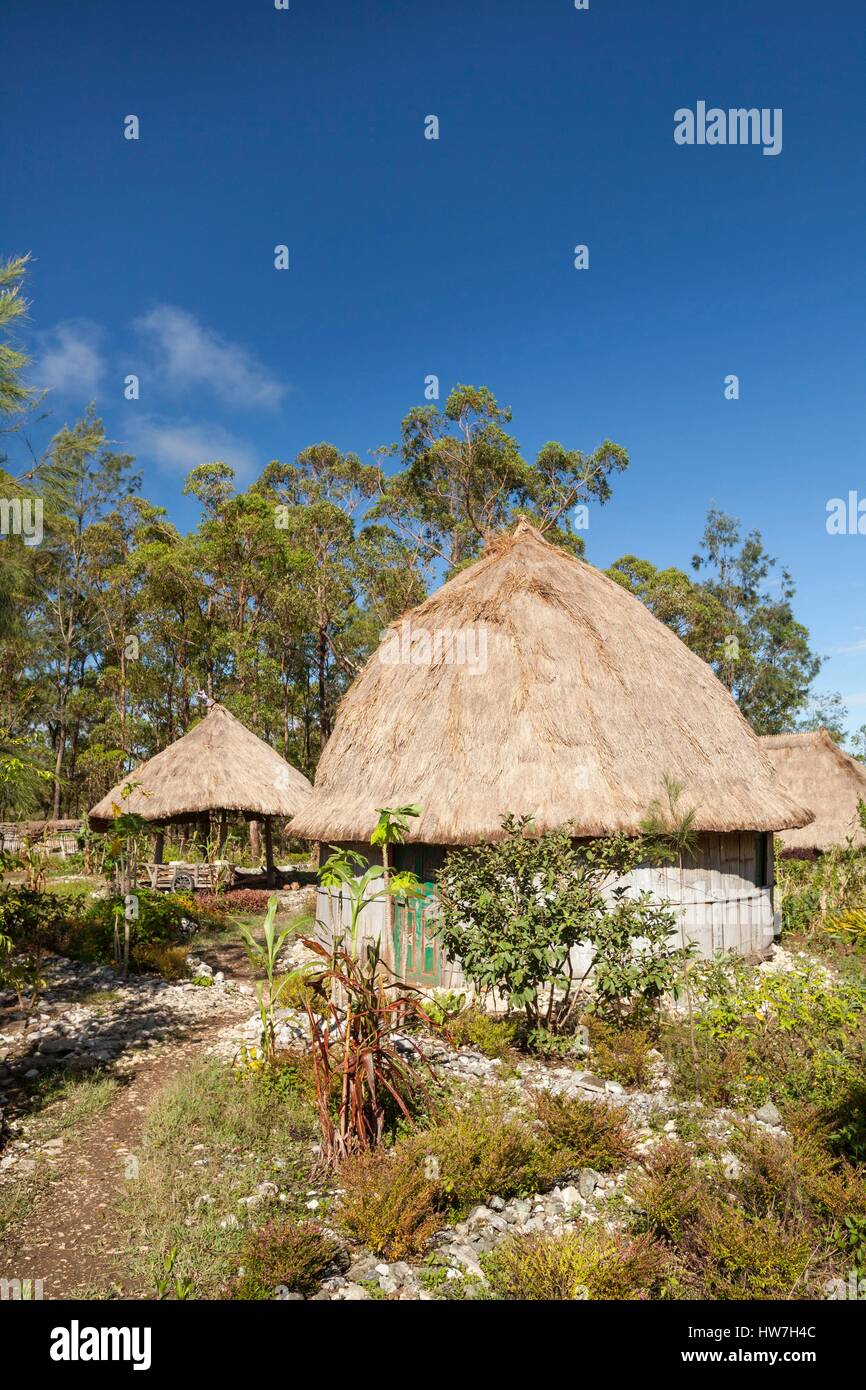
<point x="218" y="766"/>
<point x="813" y="768"/>
<point x="586" y="703"/>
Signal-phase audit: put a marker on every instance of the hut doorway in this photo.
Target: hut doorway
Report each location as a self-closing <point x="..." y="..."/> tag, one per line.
<point x="417" y="952"/>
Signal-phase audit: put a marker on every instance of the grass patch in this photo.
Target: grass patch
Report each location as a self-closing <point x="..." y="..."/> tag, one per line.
<point x="70" y="1102"/>
<point x="213" y="1136"/>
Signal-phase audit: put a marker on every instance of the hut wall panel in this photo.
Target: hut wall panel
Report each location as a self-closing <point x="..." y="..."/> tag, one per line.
<point x="720" y="905"/>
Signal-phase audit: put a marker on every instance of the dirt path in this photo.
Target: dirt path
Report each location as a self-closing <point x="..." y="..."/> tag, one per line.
<point x="69" y="1237"/>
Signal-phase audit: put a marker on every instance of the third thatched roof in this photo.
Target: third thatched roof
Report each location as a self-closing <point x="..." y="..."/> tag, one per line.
<point x="584" y="704"/>
<point x="220" y="765"/>
<point x="813" y="768"/>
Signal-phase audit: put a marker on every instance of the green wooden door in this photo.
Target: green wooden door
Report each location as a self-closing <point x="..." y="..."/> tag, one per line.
<point x="416" y="946"/>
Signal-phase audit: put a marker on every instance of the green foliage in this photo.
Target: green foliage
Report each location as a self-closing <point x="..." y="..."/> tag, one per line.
<point x="585" y="1264"/>
<point x="284" y="1254"/>
<point x="584" y="1133"/>
<point x="32" y="918"/>
<point x="463" y="478"/>
<point x="476" y="1028"/>
<point x="824" y="894"/>
<point x="388" y="1202"/>
<point x="264" y="957"/>
<point x="620" y="1054"/>
<point x="789" y="1035"/>
<point x="444" y="1007"/>
<point x="512" y="911"/>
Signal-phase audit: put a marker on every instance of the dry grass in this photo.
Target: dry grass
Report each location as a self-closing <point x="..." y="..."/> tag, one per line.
<point x="218" y="766"/>
<point x="564" y="723"/>
<point x="817" y="772"/>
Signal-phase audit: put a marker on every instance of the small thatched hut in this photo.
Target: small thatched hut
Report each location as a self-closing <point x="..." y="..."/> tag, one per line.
<point x="218" y="767"/>
<point x="532" y="683"/>
<point x="813" y="768"/>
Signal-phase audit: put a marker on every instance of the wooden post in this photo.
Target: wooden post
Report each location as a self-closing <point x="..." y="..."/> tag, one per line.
<point x="159" y="847"/>
<point x="255" y="842"/>
<point x="269" y="853"/>
<point x="223" y="833"/>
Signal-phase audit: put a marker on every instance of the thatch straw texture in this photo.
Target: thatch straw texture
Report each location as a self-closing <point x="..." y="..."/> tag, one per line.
<point x="814" y="769"/>
<point x="218" y="766"/>
<point x="579" y="703"/>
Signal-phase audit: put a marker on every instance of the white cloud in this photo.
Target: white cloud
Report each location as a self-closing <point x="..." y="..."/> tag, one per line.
<point x="850" y="648"/>
<point x="190" y="355"/>
<point x="177" y="446"/>
<point x="70" y="360"/>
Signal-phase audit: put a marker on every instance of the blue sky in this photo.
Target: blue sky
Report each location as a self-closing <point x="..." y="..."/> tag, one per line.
<point x="455" y="257"/>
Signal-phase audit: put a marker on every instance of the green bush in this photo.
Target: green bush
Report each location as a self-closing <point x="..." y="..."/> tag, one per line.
<point x="475" y="1028"/>
<point x="620" y="1054"/>
<point x="388" y="1202"/>
<point x="284" y="1254"/>
<point x="814" y="892"/>
<point x="585" y="1264"/>
<point x="482" y="1150"/>
<point x="788" y="1035"/>
<point x="667" y="1192"/>
<point x="511" y="911"/>
<point x="34" y="919"/>
<point x="584" y="1133"/>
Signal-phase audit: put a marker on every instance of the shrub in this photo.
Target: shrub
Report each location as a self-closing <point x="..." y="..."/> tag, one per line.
<point x="511" y="912"/>
<point x="790" y="1035"/>
<point x="622" y="1054"/>
<point x="297" y="992"/>
<point x="475" y="1028"/>
<point x="252" y="902"/>
<point x="482" y="1150"/>
<point x="162" y="921"/>
<point x="666" y="1192"/>
<point x="584" y="1133"/>
<point x="168" y="961"/>
<point x="388" y="1202"/>
<point x="734" y="1255"/>
<point x="294" y="1255"/>
<point x="589" y="1263"/>
<point x="813" y="893"/>
<point x="34" y="919"/>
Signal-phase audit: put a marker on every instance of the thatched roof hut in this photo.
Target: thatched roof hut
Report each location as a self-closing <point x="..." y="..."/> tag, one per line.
<point x="218" y="766"/>
<point x="532" y="683"/>
<point x="571" y="703"/>
<point x="813" y="768"/>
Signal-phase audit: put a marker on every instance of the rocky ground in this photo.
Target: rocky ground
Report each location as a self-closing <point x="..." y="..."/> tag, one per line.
<point x="145" y="1029"/>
